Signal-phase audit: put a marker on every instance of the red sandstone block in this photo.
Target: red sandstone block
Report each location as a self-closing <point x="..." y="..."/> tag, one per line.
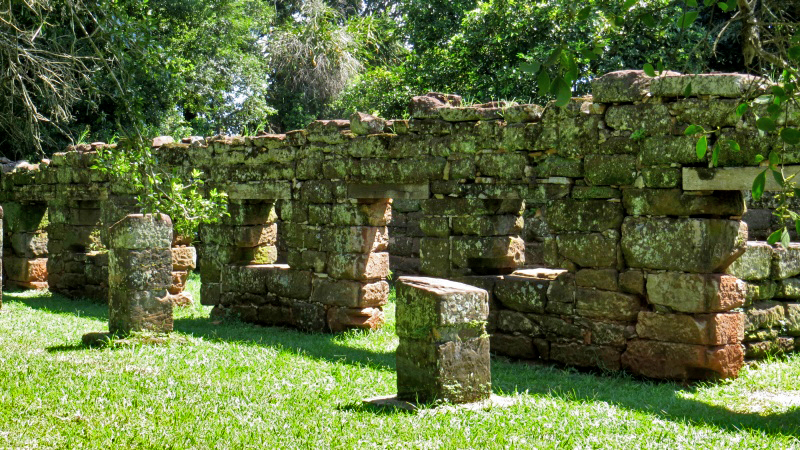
<point x="356" y="266"/>
<point x="670" y="360"/>
<point x="695" y="292"/>
<point x="515" y="346"/>
<point x="586" y="355"/>
<point x="340" y="319"/>
<point x="183" y="258"/>
<point x="178" y="282"/>
<point x="352" y="294"/>
<point x="25" y="270"/>
<point x="702" y="329"/>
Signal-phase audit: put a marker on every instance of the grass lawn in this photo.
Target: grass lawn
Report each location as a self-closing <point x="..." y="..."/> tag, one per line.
<point x="232" y="385"/>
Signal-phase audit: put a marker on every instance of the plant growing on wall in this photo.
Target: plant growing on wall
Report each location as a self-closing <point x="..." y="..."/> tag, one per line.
<point x="135" y="165"/>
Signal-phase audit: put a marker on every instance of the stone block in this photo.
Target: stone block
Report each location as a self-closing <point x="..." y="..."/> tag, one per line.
<point x="521" y="293"/>
<point x="29" y="245"/>
<point x="495" y="225"/>
<point x="178" y="283"/>
<point x="605" y="279"/>
<point x="754" y="264"/>
<point x="361" y="123"/>
<point x="141" y="231"/>
<point x="615" y="170"/>
<point x="695" y="293"/>
<point x="603" y="357"/>
<point x="759" y="290"/>
<point x="341" y="319"/>
<point x="786" y="261"/>
<point x="792" y="324"/>
<point x="583" y="215"/>
<point x="621" y="86"/>
<point x="434" y="256"/>
<point x="25" y="270"/>
<point x="132" y="310"/>
<point x="599" y="250"/>
<point x="700" y="329"/>
<point x="787" y="288"/>
<point x="355" y="239"/>
<point x="669" y="360"/>
<point x="676" y="202"/>
<point x="690" y="245"/>
<point x="775" y="347"/>
<point x="610" y="305"/>
<point x="665" y="150"/>
<point x="25" y="217"/>
<point x="452" y="371"/>
<point x="210" y="294"/>
<point x="732" y="85"/>
<point x="661" y="177"/>
<point x="308" y="316"/>
<point x="437" y="309"/>
<point x="358" y="266"/>
<point x="556" y="166"/>
<point x="184" y="258"/>
<point x="140" y="270"/>
<point x="250" y="278"/>
<point x="653" y="118"/>
<point x="284" y="281"/>
<point x="502" y="165"/>
<point x="274" y="315"/>
<point x="514" y="346"/>
<point x="517" y="322"/>
<point x="487" y="255"/>
<point x="765" y="315"/>
<point x="350" y="294"/>
<point x="376" y="213"/>
<point x="632" y="282"/>
<point x="435" y="226"/>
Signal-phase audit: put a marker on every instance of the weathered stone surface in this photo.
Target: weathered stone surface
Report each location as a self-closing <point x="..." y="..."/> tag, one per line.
<point x="611" y="305"/>
<point x="754" y="264"/>
<point x="793" y="319"/>
<point x="358" y="266"/>
<point x="556" y="166"/>
<point x="668" y="150"/>
<point x="597" y="278"/>
<point x="25" y="217"/>
<point x="586" y="355"/>
<point x="425" y="305"/>
<point x="130" y="310"/>
<point x="632" y="282"/>
<point x="675" y="202"/>
<point x="355" y="239"/>
<point x="361" y="123"/>
<point x="733" y="85"/>
<point x="597" y="250"/>
<point x="140" y="270"/>
<point x="522" y="293"/>
<point x="777" y="346"/>
<point x="701" y="329"/>
<point x="617" y="170"/>
<point x="487" y="255"/>
<point x="515" y="346"/>
<point x="495" y="225"/>
<point x="587" y="215"/>
<point x="652" y="118"/>
<point x="25" y="270"/>
<point x="788" y="288"/>
<point x="759" y="290"/>
<point x="522" y="113"/>
<point x="284" y="281"/>
<point x="427" y="106"/>
<point x="138" y="231"/>
<point x="340" y="319"/>
<point x="452" y="371"/>
<point x="29" y="245"/>
<point x="434" y="254"/>
<point x="516" y="322"/>
<point x="764" y="315"/>
<point x="785" y="261"/>
<point x="661" y="177"/>
<point x="670" y="360"/>
<point x="691" y="245"/>
<point x="695" y="293"/>
<point x="351" y="294"/>
<point x="621" y="86"/>
<point x="184" y="258"/>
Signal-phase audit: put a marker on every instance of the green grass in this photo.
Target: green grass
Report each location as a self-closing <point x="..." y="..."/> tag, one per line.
<point x="232" y="385"/>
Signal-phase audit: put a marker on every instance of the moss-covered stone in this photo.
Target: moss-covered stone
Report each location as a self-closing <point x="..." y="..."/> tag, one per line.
<point x="583" y="215"/>
<point x="617" y="170"/>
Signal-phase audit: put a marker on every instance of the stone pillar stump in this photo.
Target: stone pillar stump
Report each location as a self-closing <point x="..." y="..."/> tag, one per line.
<point x="443" y="353"/>
<point x="139" y="274"/>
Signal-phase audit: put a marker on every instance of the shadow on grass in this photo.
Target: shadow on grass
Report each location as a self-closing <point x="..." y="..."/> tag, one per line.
<point x="315" y="345"/>
<point x="58" y="304"/>
<point x="656" y="398"/>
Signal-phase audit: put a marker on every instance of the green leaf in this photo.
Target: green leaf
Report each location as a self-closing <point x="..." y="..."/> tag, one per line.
<point x="543" y="81"/>
<point x="554" y="57"/>
<point x="660" y="66"/>
<point x="629" y="4"/>
<point x="741" y="109"/>
<point x="790" y="135"/>
<point x="687" y="19"/>
<point x="758" y="185"/>
<point x="715" y="155"/>
<point x="794" y="52"/>
<point x="687" y="91"/>
<point x="649" y="70"/>
<point x="531" y="67"/>
<point x="778" y="177"/>
<point x="649" y="21"/>
<point x="723" y="6"/>
<point x="774" y="237"/>
<point x="785" y="239"/>
<point x="774" y="110"/>
<point x="733" y="145"/>
<point x="701" y="147"/>
<point x="797" y="226"/>
<point x="692" y="3"/>
<point x="759" y="158"/>
<point x="584" y="13"/>
<point x="765" y="124"/>
<point x="778" y="91"/>
<point x="708" y="3"/>
<point x="619" y="21"/>
<point x="693" y="129"/>
<point x="564" y="93"/>
<point x="774" y="159"/>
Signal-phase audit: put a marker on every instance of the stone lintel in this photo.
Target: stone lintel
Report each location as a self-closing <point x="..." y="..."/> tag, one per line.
<point x="728" y="178"/>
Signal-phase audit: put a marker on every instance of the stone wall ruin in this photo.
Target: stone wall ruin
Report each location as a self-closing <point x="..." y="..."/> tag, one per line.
<point x="600" y="238"/>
